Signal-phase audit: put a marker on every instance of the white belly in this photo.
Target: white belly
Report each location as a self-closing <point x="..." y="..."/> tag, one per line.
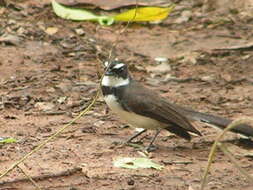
<point x="131" y="118"/>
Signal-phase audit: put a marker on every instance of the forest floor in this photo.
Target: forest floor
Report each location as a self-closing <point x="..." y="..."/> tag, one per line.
<point x="49" y="73"/>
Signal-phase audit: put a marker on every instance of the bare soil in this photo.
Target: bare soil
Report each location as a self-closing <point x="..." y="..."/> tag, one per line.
<point x="48" y="78"/>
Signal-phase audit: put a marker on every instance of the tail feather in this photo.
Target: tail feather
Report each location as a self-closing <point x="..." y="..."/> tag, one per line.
<point x="218" y="121"/>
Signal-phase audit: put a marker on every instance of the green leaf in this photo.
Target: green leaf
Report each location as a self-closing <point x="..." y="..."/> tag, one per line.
<point x="7" y="140"/>
<point x="145" y="14"/>
<point x="135" y="163"/>
<point x="79" y="14"/>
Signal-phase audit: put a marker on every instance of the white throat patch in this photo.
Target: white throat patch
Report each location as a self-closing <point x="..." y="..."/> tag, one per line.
<point x="114" y="81"/>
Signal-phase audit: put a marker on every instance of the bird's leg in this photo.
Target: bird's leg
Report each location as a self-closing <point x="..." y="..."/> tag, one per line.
<point x="136" y="135"/>
<point x="150" y="147"/>
<point x="129" y="140"/>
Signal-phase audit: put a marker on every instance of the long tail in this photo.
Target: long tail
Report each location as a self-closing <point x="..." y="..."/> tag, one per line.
<point x="217" y="121"/>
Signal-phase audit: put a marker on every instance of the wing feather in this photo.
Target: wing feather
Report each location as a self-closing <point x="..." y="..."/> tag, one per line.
<point x="154" y="106"/>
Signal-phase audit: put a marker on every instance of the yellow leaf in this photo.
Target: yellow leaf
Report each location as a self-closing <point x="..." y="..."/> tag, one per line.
<point x="145" y="14"/>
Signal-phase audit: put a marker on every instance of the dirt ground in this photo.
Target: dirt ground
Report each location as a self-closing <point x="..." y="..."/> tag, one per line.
<point x="49" y="73"/>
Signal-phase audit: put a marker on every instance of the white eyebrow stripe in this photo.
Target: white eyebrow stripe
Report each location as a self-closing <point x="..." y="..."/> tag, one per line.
<point x="119" y="65"/>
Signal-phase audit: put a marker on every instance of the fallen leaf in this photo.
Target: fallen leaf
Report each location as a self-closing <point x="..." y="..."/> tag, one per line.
<point x="208" y="78"/>
<point x="161" y="68"/>
<point x="144" y="14"/>
<point x="80" y="31"/>
<point x="135" y="163"/>
<point x="79" y="14"/>
<point x="137" y="14"/>
<point x="5" y="140"/>
<point x="112" y="4"/>
<point x="44" y="106"/>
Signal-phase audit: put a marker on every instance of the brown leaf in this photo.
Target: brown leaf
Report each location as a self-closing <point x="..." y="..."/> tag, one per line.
<point x="113" y="4"/>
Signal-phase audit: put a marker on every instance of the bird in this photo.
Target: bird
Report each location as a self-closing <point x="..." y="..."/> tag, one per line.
<point x="141" y="107"/>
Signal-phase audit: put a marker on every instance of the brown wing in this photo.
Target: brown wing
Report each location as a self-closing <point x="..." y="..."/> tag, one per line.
<point x="155" y="107"/>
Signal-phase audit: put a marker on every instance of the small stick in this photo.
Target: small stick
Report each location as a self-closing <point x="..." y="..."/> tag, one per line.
<point x="46" y="176"/>
<point x="26" y="175"/>
<point x="51" y="137"/>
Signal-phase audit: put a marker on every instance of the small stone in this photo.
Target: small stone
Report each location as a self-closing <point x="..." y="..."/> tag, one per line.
<point x="19" y="133"/>
<point x="139" y="129"/>
<point x="152" y="82"/>
<point x="62" y="99"/>
<point x="130" y="182"/>
<point x="190" y="57"/>
<point x="99" y="123"/>
<point x="168" y="77"/>
<point x="208" y="78"/>
<point x="79" y="31"/>
<point x="65" y="86"/>
<point x="162" y="68"/>
<point x="50" y="90"/>
<point x="161" y="59"/>
<point x="185" y="16"/>
<point x="44" y="106"/>
<point x="11" y="22"/>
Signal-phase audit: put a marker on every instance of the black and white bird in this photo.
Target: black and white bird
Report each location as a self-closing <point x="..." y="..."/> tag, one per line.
<point x="144" y="108"/>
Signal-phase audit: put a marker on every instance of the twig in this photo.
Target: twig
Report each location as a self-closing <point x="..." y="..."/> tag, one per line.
<point x="33" y="182"/>
<point x="46" y="176"/>
<point x="215" y="144"/>
<point x="177" y="162"/>
<point x="245" y="47"/>
<point x="121" y="32"/>
<point x="46" y="113"/>
<point x="53" y="136"/>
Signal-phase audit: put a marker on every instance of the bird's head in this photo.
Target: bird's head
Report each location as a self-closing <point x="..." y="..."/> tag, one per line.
<point x="116" y="74"/>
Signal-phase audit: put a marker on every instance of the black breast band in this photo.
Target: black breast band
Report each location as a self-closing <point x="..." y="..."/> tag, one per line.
<point x="107" y="90"/>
